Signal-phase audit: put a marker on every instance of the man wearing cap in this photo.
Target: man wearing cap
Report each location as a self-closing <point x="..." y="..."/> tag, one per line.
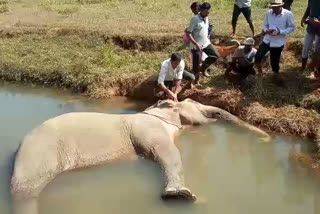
<point x="244" y="7"/>
<point x="278" y="24"/>
<point x="172" y="72"/>
<point x="243" y="59"/>
<point x="200" y="42"/>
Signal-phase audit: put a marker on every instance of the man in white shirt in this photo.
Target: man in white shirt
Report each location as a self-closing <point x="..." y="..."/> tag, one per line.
<point x="244" y="7"/>
<point x="200" y="42"/>
<point x="171" y="73"/>
<point x="278" y="24"/>
<point x="243" y="59"/>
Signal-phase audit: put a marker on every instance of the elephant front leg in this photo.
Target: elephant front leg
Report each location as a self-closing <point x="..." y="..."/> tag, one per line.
<point x="168" y="156"/>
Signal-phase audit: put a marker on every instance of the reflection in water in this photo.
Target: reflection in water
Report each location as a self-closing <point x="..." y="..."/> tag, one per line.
<point x="227" y="167"/>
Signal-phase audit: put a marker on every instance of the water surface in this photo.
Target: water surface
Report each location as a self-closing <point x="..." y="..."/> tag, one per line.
<point x="227" y="167"/>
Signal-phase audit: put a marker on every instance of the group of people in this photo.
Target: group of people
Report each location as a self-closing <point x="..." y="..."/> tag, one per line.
<point x="278" y="24"/>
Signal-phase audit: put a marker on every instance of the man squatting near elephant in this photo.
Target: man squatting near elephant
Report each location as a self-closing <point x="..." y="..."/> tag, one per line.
<point x="278" y="23"/>
<point x="172" y="71"/>
<point x="243" y="59"/>
<point x="200" y="42"/>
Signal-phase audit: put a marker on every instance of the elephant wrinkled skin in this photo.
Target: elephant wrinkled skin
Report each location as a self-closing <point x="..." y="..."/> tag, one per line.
<point x="79" y="140"/>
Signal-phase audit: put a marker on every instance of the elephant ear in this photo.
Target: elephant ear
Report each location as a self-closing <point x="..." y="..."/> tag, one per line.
<point x="165" y="110"/>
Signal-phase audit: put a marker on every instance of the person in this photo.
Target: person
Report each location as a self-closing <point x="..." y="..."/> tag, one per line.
<point x="288" y="4"/>
<point x="195" y="8"/>
<point x="172" y="72"/>
<point x="198" y="32"/>
<point x="243" y="59"/>
<point x="278" y="24"/>
<point x="315" y="22"/>
<point x="244" y="7"/>
<point x="310" y="36"/>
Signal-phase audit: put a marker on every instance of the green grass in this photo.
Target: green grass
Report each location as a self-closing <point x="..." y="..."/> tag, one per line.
<point x="134" y="17"/>
<point x="71" y="61"/>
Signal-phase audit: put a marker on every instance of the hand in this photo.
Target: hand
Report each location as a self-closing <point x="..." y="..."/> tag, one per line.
<point x="268" y="31"/>
<point x="275" y="32"/>
<point x="198" y="47"/>
<point x="173" y="96"/>
<point x="303" y="21"/>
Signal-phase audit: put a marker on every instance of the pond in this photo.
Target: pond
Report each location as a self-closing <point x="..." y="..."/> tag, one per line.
<point x="228" y="168"/>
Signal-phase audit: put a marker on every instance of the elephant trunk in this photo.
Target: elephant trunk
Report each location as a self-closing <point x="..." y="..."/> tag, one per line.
<point x="214" y="112"/>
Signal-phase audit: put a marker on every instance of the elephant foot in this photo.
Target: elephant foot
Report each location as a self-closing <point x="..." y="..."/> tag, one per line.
<point x="182" y="193"/>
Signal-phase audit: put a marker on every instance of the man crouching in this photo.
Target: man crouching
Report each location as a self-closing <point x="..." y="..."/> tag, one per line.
<point x="171" y="74"/>
<point x="243" y="60"/>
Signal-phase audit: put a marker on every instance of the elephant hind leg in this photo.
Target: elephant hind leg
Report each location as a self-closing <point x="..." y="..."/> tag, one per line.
<point x="168" y="156"/>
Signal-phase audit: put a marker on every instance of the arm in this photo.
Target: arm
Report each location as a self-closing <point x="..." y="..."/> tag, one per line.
<point x="307" y="12"/>
<point x="177" y="87"/>
<point x="210" y="28"/>
<point x="161" y="78"/>
<point x="266" y="29"/>
<point x="170" y="94"/>
<point x="265" y="23"/>
<point x="305" y="16"/>
<point x="290" y="26"/>
<point x="190" y="30"/>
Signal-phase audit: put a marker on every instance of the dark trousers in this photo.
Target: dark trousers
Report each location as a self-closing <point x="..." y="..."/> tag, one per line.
<point x="213" y="55"/>
<point x="237" y="11"/>
<point x="244" y="71"/>
<point x="275" y="55"/>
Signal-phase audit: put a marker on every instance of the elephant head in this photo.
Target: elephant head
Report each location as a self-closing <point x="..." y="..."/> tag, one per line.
<point x="191" y="113"/>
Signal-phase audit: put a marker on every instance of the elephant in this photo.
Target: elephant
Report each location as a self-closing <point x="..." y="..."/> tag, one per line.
<point x="83" y="139"/>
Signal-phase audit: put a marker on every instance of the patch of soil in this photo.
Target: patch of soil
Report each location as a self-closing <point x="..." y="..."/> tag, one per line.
<point x="145" y="43"/>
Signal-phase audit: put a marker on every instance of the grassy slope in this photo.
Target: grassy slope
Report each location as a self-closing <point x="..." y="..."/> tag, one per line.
<point x="83" y="44"/>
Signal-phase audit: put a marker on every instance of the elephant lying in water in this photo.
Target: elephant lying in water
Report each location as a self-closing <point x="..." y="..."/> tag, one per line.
<point x="79" y="140"/>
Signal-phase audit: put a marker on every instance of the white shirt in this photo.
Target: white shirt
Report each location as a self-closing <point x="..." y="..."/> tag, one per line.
<point x="243" y="3"/>
<point x="199" y="28"/>
<point x="283" y="23"/>
<point x="247" y="59"/>
<point x="167" y="73"/>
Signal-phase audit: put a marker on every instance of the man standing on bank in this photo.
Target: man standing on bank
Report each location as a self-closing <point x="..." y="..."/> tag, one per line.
<point x="200" y="42"/>
<point x="312" y="11"/>
<point x="278" y="24"/>
<point x="244" y="7"/>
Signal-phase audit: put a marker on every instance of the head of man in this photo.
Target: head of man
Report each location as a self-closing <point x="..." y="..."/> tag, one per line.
<point x="248" y="45"/>
<point x="195" y="7"/>
<point x="276" y="6"/>
<point x="175" y="60"/>
<point x="205" y="9"/>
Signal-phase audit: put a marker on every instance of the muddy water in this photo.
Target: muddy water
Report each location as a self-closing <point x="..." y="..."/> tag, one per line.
<point x="228" y="168"/>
